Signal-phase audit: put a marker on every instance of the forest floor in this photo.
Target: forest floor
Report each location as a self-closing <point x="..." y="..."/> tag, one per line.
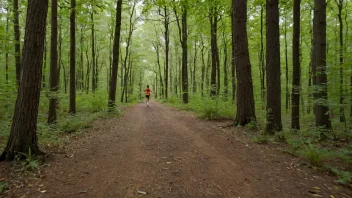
<point x="159" y="151"/>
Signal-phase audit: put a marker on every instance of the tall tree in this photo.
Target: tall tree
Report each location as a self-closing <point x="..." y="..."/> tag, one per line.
<point x="261" y="55"/>
<point x="339" y="4"/>
<point x="7" y="48"/>
<point x="23" y="136"/>
<point x="16" y="25"/>
<point x="132" y="22"/>
<point x="182" y="28"/>
<point x="322" y="118"/>
<point x="245" y="100"/>
<point x="273" y="77"/>
<point x="213" y="18"/>
<point x="54" y="77"/>
<point x="72" y="107"/>
<point x="94" y="71"/>
<point x="296" y="80"/>
<point x="184" y="53"/>
<point x="115" y="59"/>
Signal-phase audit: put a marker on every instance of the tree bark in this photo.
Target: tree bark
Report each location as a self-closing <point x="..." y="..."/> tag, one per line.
<point x="203" y="66"/>
<point x="7" y="49"/>
<point x="16" y="25"/>
<point x="296" y="79"/>
<point x="115" y="59"/>
<point x="262" y="57"/>
<point x="167" y="49"/>
<point x="183" y="34"/>
<point x="54" y="81"/>
<point x="23" y="136"/>
<point x="286" y="66"/>
<point x="341" y="59"/>
<point x="44" y="64"/>
<point x="72" y="107"/>
<point x="322" y="115"/>
<point x="184" y="56"/>
<point x="245" y="99"/>
<point x="194" y="82"/>
<point x="273" y="77"/>
<point x="213" y="17"/>
<point x="94" y="79"/>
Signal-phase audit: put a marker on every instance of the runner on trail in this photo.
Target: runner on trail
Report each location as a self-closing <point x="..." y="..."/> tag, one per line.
<point x="147" y="94"/>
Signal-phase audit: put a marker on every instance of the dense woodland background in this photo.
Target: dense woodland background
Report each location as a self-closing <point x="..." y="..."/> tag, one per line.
<point x="285" y="80"/>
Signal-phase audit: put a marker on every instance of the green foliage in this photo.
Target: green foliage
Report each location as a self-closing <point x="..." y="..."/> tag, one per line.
<point x="253" y="125"/>
<point x="260" y="139"/>
<point x="210" y="110"/>
<point x="206" y="107"/>
<point x="26" y="162"/>
<point x="314" y="154"/>
<point x="3" y="186"/>
<point x="344" y="177"/>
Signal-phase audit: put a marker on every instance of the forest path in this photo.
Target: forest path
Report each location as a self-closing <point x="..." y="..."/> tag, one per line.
<point x="169" y="153"/>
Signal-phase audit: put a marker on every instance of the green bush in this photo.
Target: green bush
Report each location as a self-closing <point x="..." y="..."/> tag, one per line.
<point x="344" y="177"/>
<point x="260" y="139"/>
<point x="315" y="155"/>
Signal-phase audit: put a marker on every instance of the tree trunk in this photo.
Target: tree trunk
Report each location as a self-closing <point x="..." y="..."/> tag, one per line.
<point x="194" y="82"/>
<point x="23" y="136"/>
<point x="245" y="100"/>
<point x="296" y="79"/>
<point x="340" y="6"/>
<point x="233" y="64"/>
<point x="322" y="115"/>
<point x="225" y="66"/>
<point x="286" y="65"/>
<point x="184" y="56"/>
<point x="54" y="81"/>
<point x="115" y="59"/>
<point x="94" y="83"/>
<point x="72" y="107"/>
<point x="311" y="72"/>
<point x="44" y="64"/>
<point x="213" y="17"/>
<point x="81" y="79"/>
<point x="167" y="49"/>
<point x="7" y="49"/>
<point x="183" y="34"/>
<point x="203" y="67"/>
<point x="88" y="71"/>
<point x="16" y="25"/>
<point x="273" y="77"/>
<point x="262" y="57"/>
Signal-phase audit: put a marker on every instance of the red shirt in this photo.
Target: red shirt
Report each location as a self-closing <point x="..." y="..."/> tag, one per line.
<point x="147" y="91"/>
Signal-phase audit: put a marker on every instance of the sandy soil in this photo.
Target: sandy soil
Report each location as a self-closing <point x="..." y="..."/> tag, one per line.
<point x="158" y="151"/>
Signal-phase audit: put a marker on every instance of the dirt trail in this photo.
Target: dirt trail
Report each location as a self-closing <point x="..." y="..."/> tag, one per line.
<point x="171" y="154"/>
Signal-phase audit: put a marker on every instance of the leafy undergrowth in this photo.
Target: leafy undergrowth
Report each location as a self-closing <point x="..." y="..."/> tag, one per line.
<point x="334" y="156"/>
<point x="207" y="108"/>
<point x="90" y="107"/>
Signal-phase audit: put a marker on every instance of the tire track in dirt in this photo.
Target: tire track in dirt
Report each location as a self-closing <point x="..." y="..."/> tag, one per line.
<point x="170" y="154"/>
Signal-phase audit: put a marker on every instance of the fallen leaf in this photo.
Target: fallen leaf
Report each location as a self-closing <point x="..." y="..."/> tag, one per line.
<point x="142" y="192"/>
<point x="316" y="195"/>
